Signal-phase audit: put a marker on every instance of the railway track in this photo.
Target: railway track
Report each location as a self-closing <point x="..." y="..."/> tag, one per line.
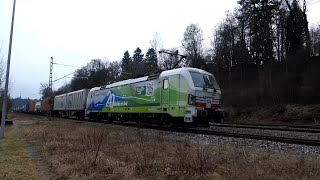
<point x="314" y="126"/>
<point x="307" y="129"/>
<point x="288" y="140"/>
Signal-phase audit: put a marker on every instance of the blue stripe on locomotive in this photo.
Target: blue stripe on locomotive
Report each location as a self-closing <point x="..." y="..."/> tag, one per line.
<point x="106" y="102"/>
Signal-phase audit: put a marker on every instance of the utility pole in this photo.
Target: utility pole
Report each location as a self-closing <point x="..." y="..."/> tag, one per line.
<point x="5" y="96"/>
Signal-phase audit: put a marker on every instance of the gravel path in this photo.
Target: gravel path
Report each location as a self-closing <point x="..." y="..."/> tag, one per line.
<point x="36" y="156"/>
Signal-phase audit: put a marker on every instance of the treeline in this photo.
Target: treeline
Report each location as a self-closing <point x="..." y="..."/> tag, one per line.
<point x="263" y="52"/>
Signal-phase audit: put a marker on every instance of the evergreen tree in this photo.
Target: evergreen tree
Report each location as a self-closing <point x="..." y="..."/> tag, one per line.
<point x="138" y="64"/>
<point x="294" y="29"/>
<point x="260" y="16"/>
<point x="138" y="56"/>
<point x="126" y="64"/>
<point x="152" y="60"/>
<point x="126" y="60"/>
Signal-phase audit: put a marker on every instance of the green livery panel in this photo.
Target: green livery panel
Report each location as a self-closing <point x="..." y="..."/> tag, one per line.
<point x="163" y="95"/>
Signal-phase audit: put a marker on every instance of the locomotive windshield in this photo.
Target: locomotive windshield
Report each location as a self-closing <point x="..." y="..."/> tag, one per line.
<point x="204" y="80"/>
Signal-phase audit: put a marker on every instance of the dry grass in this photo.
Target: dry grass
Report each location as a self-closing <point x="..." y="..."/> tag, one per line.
<point x="292" y="113"/>
<point x="15" y="163"/>
<point x="97" y="151"/>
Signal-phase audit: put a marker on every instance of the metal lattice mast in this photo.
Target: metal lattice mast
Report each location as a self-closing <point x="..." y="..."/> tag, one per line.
<point x="50" y="76"/>
<point x="50" y="87"/>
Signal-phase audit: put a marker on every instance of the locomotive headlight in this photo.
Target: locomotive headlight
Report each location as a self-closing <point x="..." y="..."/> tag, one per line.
<point x="191" y="100"/>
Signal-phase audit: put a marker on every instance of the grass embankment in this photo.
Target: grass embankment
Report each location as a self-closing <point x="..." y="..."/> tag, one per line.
<point x="15" y="162"/>
<point x="281" y="114"/>
<point x="98" y="151"/>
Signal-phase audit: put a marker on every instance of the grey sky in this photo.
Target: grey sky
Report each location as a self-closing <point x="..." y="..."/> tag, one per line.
<point x="76" y="31"/>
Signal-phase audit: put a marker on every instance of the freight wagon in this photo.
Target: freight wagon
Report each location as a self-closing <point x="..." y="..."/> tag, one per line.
<point x="71" y="104"/>
<point x="46" y="106"/>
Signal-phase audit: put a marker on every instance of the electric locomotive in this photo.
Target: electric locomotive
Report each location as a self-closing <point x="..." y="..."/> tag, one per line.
<point x="184" y="96"/>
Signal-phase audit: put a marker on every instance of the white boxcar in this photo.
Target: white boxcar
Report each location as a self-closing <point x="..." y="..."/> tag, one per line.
<point x="71" y="104"/>
<point x="60" y="102"/>
<point x="77" y="100"/>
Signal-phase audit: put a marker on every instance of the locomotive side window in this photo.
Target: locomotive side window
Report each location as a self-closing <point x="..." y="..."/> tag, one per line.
<point x="165" y="84"/>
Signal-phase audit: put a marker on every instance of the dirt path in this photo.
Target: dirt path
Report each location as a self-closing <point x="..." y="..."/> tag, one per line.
<point x="32" y="151"/>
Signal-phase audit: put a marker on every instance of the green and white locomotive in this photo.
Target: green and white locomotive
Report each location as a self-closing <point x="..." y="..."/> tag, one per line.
<point x="184" y="96"/>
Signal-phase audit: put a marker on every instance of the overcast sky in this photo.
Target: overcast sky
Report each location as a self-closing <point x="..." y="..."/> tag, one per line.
<point x="75" y="31"/>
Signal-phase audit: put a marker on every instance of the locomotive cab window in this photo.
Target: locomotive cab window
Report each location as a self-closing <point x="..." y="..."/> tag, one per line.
<point x="165" y="84"/>
<point x="204" y="80"/>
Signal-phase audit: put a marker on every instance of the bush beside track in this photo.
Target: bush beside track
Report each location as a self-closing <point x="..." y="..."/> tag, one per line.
<point x="276" y="114"/>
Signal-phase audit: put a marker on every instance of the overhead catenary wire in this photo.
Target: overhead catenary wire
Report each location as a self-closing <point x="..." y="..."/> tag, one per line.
<point x="65" y="65"/>
<point x="63" y="77"/>
<point x="309" y="3"/>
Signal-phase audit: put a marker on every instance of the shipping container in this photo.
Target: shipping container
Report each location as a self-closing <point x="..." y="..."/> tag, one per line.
<point x="45" y="105"/>
<point x="26" y="108"/>
<point x="38" y="107"/>
<point x="32" y="105"/>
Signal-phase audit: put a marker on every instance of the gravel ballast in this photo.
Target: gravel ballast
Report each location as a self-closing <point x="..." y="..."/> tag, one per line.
<point x="239" y="142"/>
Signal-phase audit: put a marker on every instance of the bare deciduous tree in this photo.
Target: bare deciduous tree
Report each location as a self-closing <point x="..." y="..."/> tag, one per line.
<point x="45" y="90"/>
<point x="2" y="70"/>
<point x="156" y="42"/>
<point x="192" y="45"/>
<point x="170" y="61"/>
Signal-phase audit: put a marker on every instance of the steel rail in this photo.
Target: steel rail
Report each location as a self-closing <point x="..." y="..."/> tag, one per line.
<point x="315" y="126"/>
<point x="268" y="127"/>
<point x="287" y="140"/>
